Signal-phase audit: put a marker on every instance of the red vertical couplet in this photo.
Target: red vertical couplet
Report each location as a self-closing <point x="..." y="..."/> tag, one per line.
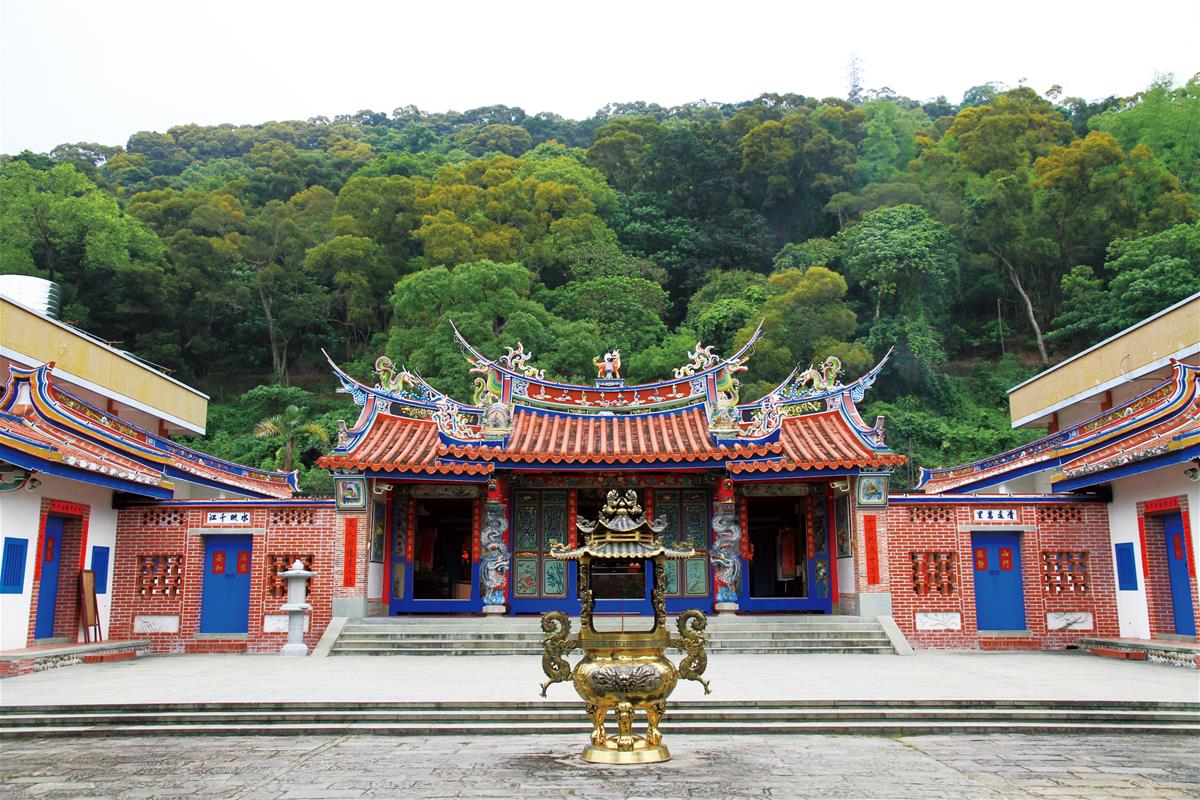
<point x="350" y="554"/>
<point x="243" y="563"/>
<point x="809" y="533"/>
<point x="871" y="545"/>
<point x="1177" y="545"/>
<point x="572" y="510"/>
<point x="981" y="559"/>
<point x="1006" y="559"/>
<point x="1142" y="546"/>
<point x="1187" y="542"/>
<point x="389" y="532"/>
<point x="218" y="565"/>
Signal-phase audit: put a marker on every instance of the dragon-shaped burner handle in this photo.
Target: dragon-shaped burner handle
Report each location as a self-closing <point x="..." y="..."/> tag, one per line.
<point x="691" y="642"/>
<point x="555" y="644"/>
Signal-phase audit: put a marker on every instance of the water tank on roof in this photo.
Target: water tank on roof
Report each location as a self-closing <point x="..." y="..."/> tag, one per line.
<point x="39" y="294"/>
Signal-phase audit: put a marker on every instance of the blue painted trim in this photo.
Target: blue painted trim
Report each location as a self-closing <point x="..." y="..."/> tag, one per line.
<point x="402" y="477"/>
<point x="408" y="605"/>
<point x="27" y="461"/>
<point x="769" y="477"/>
<point x="748" y="603"/>
<point x="987" y="499"/>
<point x="1136" y="468"/>
<point x="100" y="564"/>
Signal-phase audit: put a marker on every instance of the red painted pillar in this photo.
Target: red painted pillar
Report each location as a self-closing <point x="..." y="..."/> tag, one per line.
<point x="831" y="538"/>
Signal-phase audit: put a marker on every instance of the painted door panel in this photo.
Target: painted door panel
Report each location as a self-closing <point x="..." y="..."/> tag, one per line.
<point x="1177" y="571"/>
<point x="999" y="597"/>
<point x="51" y="557"/>
<point x="225" y="604"/>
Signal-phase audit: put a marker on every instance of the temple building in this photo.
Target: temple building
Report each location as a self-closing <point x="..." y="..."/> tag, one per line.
<point x="464" y="499"/>
<point x="84" y="427"/>
<point x="1123" y="421"/>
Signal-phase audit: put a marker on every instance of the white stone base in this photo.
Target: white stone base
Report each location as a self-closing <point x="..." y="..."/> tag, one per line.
<point x="156" y="623"/>
<point x="726" y="608"/>
<point x="297" y="649"/>
<point x="494" y="609"/>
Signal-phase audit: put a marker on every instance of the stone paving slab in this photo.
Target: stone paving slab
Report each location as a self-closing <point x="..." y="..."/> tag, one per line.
<point x="925" y="676"/>
<point x="286" y="768"/>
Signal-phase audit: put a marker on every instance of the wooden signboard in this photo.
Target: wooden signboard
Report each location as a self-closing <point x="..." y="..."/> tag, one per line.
<point x="88" y="608"/>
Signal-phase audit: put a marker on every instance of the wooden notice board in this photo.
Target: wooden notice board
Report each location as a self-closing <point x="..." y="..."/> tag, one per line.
<point x="88" y="608"/>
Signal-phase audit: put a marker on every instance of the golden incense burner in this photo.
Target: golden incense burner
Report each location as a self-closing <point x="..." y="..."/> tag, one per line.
<point x="624" y="670"/>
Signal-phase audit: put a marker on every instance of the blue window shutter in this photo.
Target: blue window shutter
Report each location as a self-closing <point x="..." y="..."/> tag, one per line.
<point x="12" y="569"/>
<point x="1126" y="570"/>
<point x="100" y="567"/>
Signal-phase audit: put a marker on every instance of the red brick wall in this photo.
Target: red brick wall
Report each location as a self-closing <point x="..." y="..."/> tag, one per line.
<point x="71" y="549"/>
<point x="1044" y="527"/>
<point x="1159" y="603"/>
<point x="167" y="529"/>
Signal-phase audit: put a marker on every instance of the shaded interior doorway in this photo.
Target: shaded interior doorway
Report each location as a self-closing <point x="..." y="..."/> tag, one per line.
<point x="779" y="547"/>
<point x="442" y="550"/>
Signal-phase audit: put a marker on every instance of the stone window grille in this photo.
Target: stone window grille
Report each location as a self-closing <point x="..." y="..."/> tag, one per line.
<point x="933" y="572"/>
<point x="160" y="576"/>
<point x="1065" y="571"/>
<point x="293" y="516"/>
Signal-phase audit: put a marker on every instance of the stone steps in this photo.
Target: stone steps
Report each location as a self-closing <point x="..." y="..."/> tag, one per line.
<point x="522" y="717"/>
<point x="424" y="636"/>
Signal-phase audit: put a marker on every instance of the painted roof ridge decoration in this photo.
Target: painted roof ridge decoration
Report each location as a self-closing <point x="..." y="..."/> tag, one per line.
<point x="1168" y="405"/>
<point x="32" y="395"/>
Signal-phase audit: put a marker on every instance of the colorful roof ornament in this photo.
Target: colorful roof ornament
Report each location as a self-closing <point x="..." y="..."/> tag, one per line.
<point x="45" y="427"/>
<point x="520" y="420"/>
<point x="1153" y="424"/>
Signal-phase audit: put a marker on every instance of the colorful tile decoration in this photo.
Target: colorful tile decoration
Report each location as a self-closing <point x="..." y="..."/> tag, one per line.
<point x="695" y="576"/>
<point x="526" y="577"/>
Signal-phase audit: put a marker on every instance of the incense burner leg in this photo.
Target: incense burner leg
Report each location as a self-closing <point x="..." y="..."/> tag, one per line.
<point x="654" y="714"/>
<point x="596" y="713"/>
<point x="625" y="726"/>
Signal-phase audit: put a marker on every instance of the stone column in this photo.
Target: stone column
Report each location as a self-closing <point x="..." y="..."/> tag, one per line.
<point x="495" y="555"/>
<point x="726" y="554"/>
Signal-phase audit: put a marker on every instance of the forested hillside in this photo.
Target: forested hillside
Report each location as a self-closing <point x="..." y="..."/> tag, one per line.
<point x="983" y="239"/>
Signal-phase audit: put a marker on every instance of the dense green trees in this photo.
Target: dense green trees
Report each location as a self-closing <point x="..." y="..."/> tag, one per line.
<point x="1008" y="224"/>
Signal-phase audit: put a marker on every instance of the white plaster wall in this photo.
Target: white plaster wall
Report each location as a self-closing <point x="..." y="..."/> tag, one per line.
<point x="845" y="568"/>
<point x="18" y="519"/>
<point x="19" y="516"/>
<point x="374" y="580"/>
<point x="1169" y="481"/>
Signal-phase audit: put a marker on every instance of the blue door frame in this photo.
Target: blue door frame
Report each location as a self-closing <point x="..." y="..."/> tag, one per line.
<point x="225" y="601"/>
<point x="999" y="590"/>
<point x="1177" y="571"/>
<point x="51" y="561"/>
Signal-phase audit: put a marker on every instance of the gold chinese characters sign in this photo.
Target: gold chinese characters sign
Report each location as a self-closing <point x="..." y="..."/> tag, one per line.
<point x="628" y="670"/>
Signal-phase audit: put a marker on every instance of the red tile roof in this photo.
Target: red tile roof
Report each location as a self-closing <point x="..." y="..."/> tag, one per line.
<point x="36" y="437"/>
<point x="548" y="438"/>
<point x="820" y="441"/>
<point x="400" y="444"/>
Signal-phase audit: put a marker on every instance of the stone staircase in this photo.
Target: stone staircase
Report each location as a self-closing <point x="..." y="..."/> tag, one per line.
<point x="484" y="718"/>
<point x="440" y="636"/>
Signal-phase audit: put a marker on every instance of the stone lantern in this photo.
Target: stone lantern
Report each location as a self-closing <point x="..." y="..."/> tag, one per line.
<point x="296" y="607"/>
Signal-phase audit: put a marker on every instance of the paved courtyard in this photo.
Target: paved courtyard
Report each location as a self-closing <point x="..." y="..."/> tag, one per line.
<point x="927" y="675"/>
<point x="995" y="766"/>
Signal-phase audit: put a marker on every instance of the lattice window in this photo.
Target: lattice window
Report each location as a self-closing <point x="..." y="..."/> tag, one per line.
<point x="930" y="514"/>
<point x="165" y="516"/>
<point x="933" y="572"/>
<point x="160" y="576"/>
<point x="1059" y="514"/>
<point x="1065" y="571"/>
<point x="293" y="516"/>
<point x="281" y="562"/>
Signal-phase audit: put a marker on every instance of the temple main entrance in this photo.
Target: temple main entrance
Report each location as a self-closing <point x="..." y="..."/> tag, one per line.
<point x="789" y="564"/>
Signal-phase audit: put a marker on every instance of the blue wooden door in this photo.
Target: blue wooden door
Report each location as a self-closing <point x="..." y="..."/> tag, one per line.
<point x="225" y="603"/>
<point x="999" y="601"/>
<point x="1177" y="570"/>
<point x="51" y="557"/>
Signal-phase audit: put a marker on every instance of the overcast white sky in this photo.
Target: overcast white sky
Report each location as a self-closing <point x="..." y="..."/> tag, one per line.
<point x="99" y="71"/>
